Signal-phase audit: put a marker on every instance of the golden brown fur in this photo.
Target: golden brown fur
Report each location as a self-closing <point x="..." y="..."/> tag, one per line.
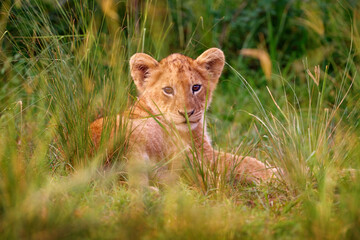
<point x="161" y="117"/>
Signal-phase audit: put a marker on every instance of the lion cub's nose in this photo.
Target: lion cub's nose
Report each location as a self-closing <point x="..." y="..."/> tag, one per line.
<point x="189" y="113"/>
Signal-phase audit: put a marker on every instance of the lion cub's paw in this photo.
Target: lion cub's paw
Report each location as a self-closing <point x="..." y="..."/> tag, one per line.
<point x="253" y="170"/>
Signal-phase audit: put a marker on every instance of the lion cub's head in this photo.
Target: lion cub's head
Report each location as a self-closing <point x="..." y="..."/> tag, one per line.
<point x="178" y="85"/>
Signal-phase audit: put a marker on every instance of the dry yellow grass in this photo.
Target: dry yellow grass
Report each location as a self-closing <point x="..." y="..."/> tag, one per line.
<point x="263" y="57"/>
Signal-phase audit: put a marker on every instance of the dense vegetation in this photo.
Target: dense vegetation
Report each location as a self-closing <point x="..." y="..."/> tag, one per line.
<point x="289" y="95"/>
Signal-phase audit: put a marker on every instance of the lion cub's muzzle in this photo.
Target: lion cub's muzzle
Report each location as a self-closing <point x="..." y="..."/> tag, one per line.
<point x="193" y="118"/>
<point x="188" y="113"/>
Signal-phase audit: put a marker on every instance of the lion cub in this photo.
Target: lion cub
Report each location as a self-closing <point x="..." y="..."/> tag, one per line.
<point x="168" y="117"/>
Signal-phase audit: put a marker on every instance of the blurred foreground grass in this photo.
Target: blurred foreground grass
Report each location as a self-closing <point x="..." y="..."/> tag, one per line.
<point x="65" y="63"/>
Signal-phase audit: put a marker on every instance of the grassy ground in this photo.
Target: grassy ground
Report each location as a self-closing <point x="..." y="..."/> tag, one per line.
<point x="295" y="103"/>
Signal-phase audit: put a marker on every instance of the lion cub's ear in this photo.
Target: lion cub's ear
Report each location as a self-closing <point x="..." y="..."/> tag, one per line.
<point x="213" y="61"/>
<point x="141" y="66"/>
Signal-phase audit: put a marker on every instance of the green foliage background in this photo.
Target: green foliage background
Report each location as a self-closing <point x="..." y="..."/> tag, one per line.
<point x="65" y="63"/>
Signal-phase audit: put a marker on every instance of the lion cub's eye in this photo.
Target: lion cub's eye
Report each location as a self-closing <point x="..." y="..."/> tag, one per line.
<point x="168" y="90"/>
<point x="196" y="88"/>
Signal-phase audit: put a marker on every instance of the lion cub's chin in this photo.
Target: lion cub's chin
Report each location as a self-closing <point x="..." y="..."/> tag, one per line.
<point x="184" y="127"/>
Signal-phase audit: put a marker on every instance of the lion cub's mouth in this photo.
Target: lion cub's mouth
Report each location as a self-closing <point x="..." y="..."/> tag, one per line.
<point x="190" y="121"/>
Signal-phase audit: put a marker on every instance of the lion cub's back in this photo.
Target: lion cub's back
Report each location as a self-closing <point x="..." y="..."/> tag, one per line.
<point x="146" y="136"/>
<point x="96" y="128"/>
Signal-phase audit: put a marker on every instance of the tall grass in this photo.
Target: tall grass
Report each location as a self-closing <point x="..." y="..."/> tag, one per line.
<point x="65" y="63"/>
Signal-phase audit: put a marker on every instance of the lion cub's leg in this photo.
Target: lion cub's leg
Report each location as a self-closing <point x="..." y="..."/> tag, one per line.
<point x="247" y="169"/>
<point x="138" y="170"/>
<point x="243" y="169"/>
